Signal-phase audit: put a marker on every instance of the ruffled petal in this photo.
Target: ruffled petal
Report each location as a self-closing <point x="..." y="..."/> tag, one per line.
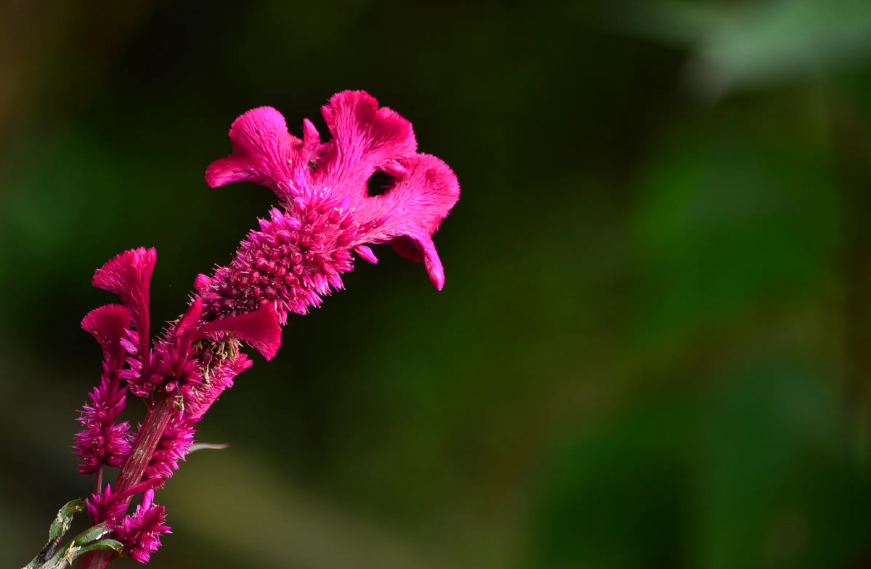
<point x="263" y="153"/>
<point x="107" y="324"/>
<point x="259" y="328"/>
<point x="128" y="275"/>
<point x="295" y="260"/>
<point x="365" y="138"/>
<point x="412" y="209"/>
<point x="190" y="318"/>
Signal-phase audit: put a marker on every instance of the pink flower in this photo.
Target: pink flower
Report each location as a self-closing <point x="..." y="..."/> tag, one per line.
<point x="295" y="258"/>
<point x="140" y="532"/>
<point x="299" y="253"/>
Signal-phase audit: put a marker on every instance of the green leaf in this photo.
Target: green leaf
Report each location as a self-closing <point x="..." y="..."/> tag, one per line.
<point x="112" y="544"/>
<point x="91" y="534"/>
<point x="65" y="517"/>
<point x="59" y="527"/>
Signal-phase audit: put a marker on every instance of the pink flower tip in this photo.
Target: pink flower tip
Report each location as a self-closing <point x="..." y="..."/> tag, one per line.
<point x="127" y="273"/>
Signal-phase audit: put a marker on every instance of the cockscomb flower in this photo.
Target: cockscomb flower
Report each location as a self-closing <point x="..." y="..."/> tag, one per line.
<point x="140" y="533"/>
<point x="326" y="213"/>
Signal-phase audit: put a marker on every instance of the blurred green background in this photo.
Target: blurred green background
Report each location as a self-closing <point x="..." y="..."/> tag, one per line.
<point x="653" y="349"/>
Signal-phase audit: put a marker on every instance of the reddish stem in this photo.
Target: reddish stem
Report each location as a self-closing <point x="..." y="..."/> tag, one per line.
<point x="140" y="456"/>
<point x="98" y="484"/>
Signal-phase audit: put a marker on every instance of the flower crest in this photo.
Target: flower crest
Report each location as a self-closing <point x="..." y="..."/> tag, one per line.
<point x="298" y="253"/>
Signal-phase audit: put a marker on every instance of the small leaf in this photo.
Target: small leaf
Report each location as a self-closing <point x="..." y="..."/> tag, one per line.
<point x="81" y="545"/>
<point x="112" y="544"/>
<point x="91" y="534"/>
<point x="59" y="527"/>
<point x="65" y="517"/>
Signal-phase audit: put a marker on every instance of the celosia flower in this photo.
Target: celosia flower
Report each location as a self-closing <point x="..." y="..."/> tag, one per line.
<point x="294" y="259"/>
<point x="299" y="253"/>
<point x="140" y="532"/>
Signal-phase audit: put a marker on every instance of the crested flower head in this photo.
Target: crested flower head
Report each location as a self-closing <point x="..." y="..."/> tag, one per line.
<point x="326" y="215"/>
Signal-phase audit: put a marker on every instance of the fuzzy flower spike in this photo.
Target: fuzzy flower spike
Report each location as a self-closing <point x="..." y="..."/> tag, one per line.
<point x="298" y="254"/>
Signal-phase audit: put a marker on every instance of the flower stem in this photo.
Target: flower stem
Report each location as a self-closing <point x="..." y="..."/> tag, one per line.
<point x="98" y="484"/>
<point x="140" y="456"/>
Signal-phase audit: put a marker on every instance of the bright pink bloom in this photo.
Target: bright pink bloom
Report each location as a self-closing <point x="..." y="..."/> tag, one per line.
<point x="140" y="532"/>
<point x="294" y="259"/>
<point x="298" y="254"/>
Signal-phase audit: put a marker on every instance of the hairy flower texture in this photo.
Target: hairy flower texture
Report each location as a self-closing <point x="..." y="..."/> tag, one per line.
<point x="140" y="532"/>
<point x="129" y="275"/>
<point x="301" y="250"/>
<point x="103" y="441"/>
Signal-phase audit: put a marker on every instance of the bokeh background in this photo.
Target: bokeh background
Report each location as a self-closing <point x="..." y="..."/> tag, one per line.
<point x="654" y="346"/>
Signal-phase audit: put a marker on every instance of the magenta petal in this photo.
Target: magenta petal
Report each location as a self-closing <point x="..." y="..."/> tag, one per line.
<point x="259" y="328"/>
<point x="417" y="203"/>
<point x="364" y="138"/>
<point x="366" y="253"/>
<point x="298" y="254"/>
<point x="190" y="318"/>
<point x="262" y="149"/>
<point x="107" y="324"/>
<point x="128" y="275"/>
